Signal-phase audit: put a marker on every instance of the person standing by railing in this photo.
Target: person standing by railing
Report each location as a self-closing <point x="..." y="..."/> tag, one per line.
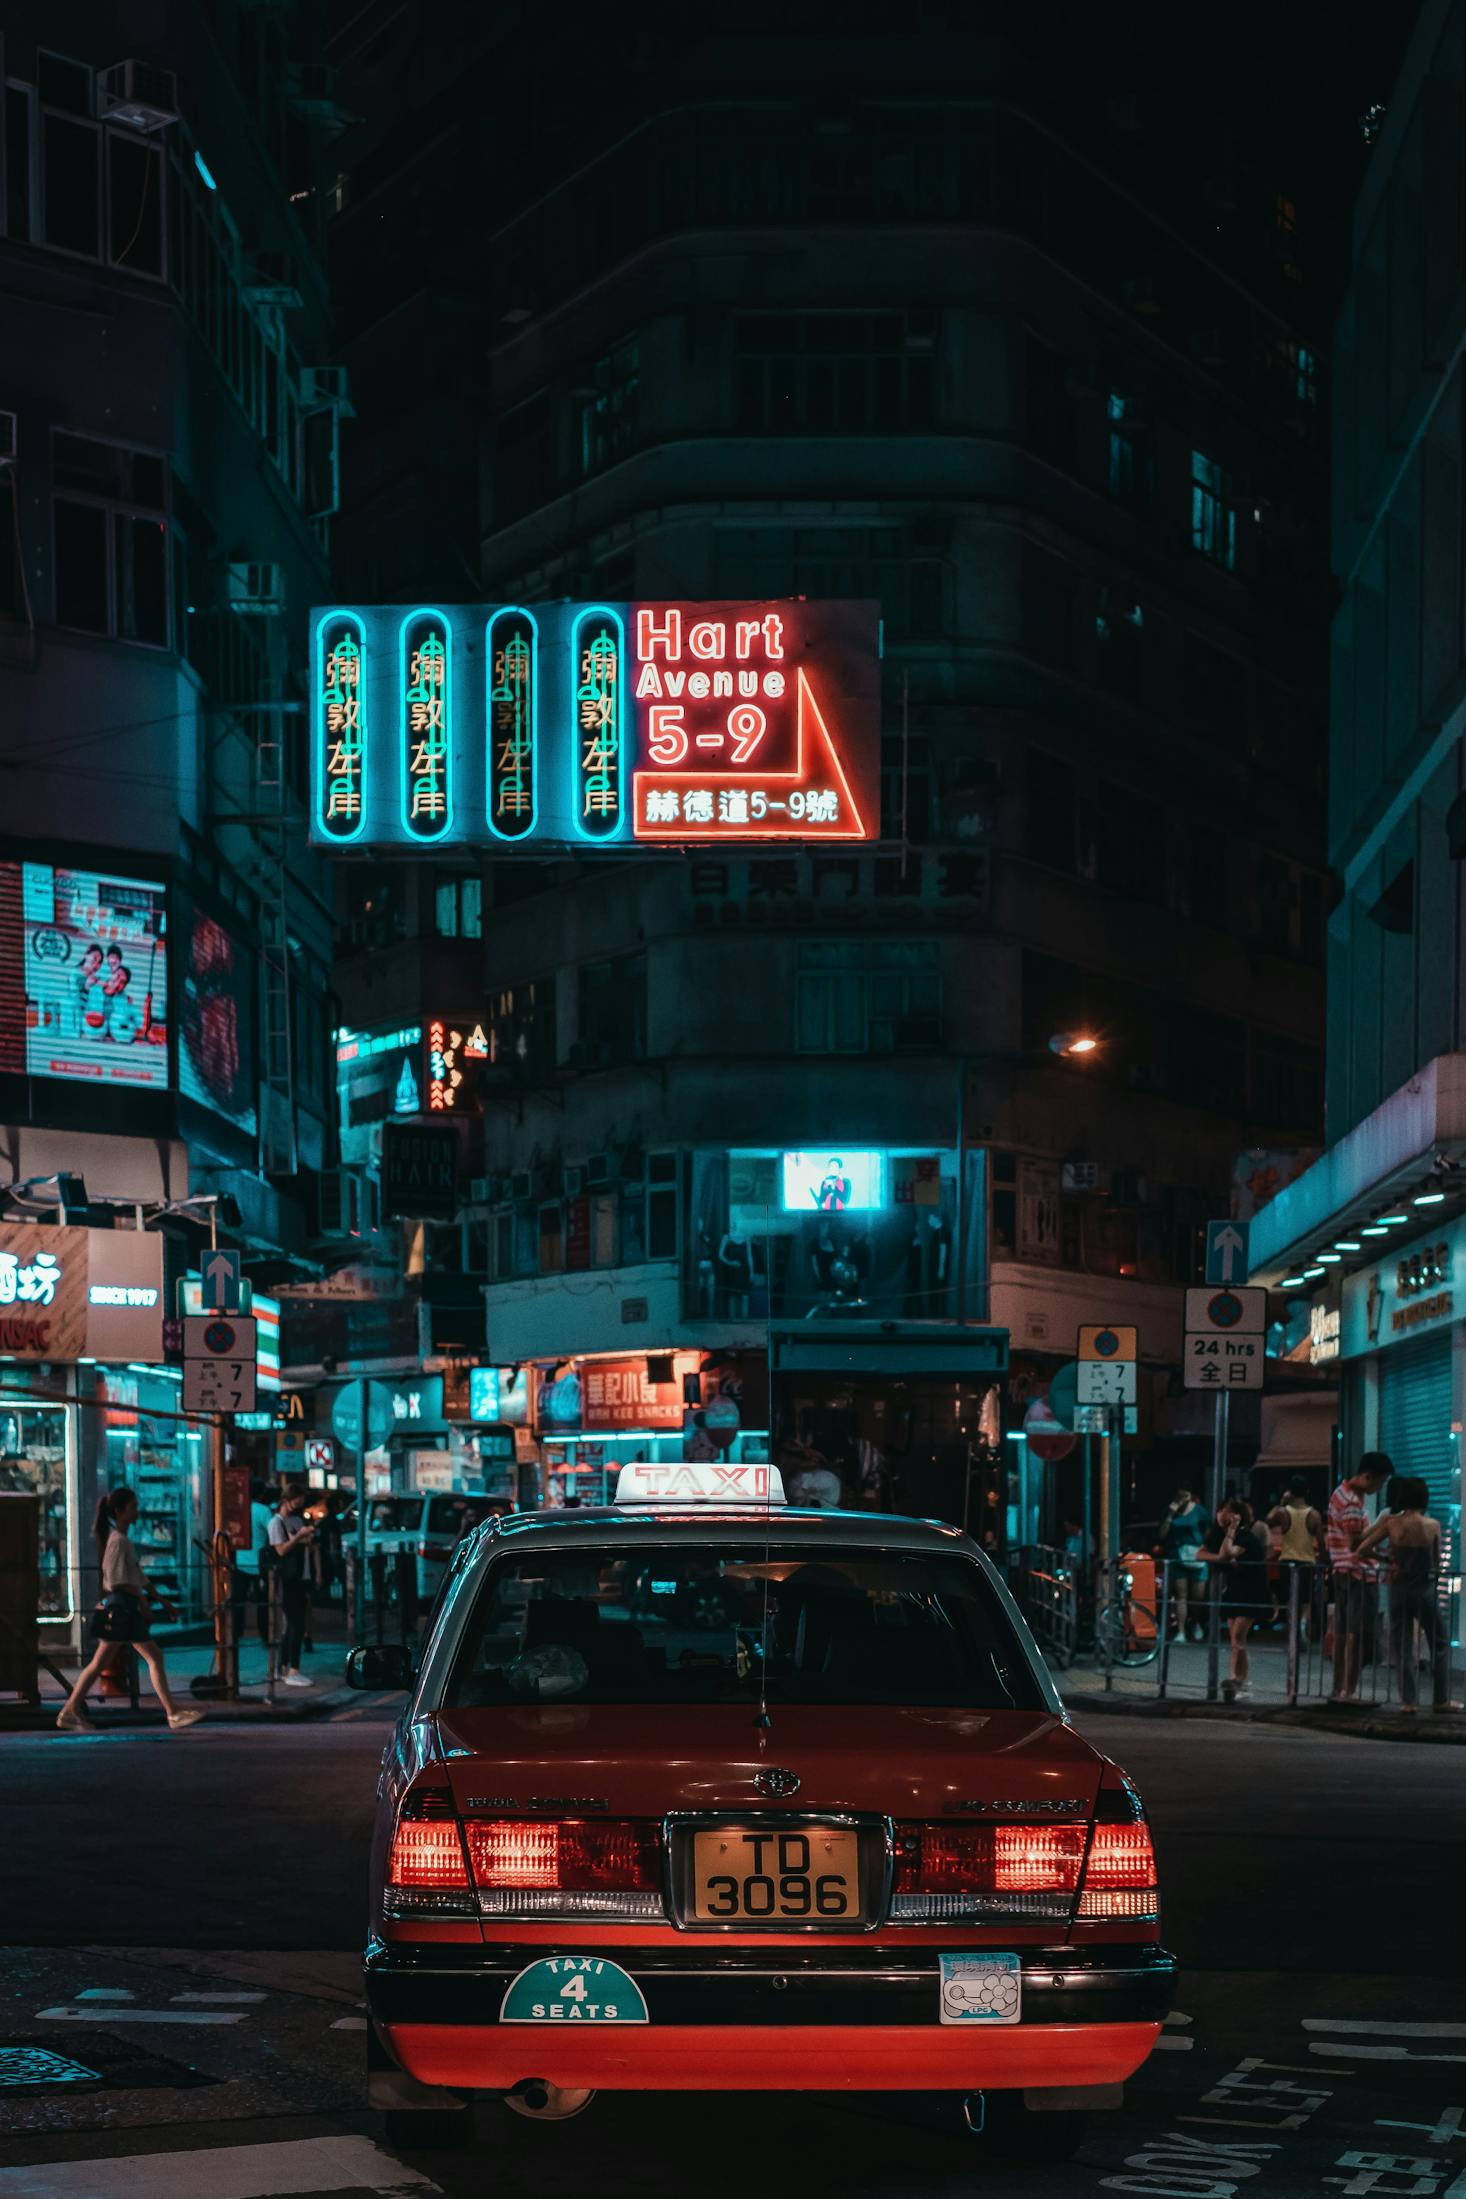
<point x="1179" y="1542"/>
<point x="1302" y="1550"/>
<point x="1236" y="1547"/>
<point x="1413" y="1539"/>
<point x="1353" y="1576"/>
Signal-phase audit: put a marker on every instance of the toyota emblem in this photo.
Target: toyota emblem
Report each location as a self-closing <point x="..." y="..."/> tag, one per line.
<point x="776" y="1781"/>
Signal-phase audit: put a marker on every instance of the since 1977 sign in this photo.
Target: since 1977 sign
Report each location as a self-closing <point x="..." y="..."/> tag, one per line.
<point x="618" y="726"/>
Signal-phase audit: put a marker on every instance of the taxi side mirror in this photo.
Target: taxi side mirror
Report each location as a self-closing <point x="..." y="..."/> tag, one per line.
<point x="380" y="1665"/>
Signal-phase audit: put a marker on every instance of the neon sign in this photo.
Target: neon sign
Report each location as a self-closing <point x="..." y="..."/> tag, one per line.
<point x="513" y="713"/>
<point x="340" y="743"/>
<point x="613" y="726"/>
<point x="598" y="768"/>
<point x="450" y="1046"/>
<point x="427" y="693"/>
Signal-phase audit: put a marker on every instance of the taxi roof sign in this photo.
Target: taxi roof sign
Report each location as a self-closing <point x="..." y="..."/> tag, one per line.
<point x="716" y="1482"/>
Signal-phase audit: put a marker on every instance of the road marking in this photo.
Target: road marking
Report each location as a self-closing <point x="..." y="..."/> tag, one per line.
<point x="200" y="1999"/>
<point x="1372" y="2028"/>
<point x="226" y="2172"/>
<point x="1175" y="2018"/>
<point x="349" y="2023"/>
<point x="112" y="2014"/>
<point x="1163" y="2045"/>
<point x="1340" y="2047"/>
<point x="106" y="1992"/>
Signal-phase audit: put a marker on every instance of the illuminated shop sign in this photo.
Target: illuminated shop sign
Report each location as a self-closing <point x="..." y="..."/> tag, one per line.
<point x="621" y="725"/>
<point x="455" y="1051"/>
<point x="83" y="976"/>
<point x="68" y="1294"/>
<point x="840" y="1182"/>
<point x="340" y="727"/>
<point x="1419" y="1287"/>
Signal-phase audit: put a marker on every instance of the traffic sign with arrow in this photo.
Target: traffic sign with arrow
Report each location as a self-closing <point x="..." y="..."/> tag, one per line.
<point x="1226" y="1252"/>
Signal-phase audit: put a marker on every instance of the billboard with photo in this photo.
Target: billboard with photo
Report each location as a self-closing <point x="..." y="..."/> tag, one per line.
<point x="83" y="976"/>
<point x="216" y="1017"/>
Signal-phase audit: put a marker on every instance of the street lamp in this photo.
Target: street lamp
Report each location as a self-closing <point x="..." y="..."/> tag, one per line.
<point x="1065" y="1043"/>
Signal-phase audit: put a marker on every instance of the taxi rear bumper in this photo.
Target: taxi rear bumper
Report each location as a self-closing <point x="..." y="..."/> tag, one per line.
<point x="864" y="2021"/>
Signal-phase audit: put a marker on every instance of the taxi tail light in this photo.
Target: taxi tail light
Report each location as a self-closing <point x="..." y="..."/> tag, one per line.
<point x="427" y="1871"/>
<point x="573" y="1855"/>
<point x="1120" y="1874"/>
<point x="945" y="1872"/>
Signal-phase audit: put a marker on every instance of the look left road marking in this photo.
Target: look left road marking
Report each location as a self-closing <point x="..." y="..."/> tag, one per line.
<point x="224" y="2172"/>
<point x="203" y="1999"/>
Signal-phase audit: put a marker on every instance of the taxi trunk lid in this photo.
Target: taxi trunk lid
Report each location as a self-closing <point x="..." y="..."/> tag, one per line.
<point x="630" y="1760"/>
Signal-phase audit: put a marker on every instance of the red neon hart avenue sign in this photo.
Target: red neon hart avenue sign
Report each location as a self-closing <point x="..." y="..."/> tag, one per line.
<point x="605" y="727"/>
<point x="734" y="742"/>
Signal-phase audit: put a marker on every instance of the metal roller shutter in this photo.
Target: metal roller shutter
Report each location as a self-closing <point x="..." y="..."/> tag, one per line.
<point x="1415" y="1416"/>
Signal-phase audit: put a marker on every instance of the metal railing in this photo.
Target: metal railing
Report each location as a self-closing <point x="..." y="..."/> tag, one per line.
<point x="1048" y="1593"/>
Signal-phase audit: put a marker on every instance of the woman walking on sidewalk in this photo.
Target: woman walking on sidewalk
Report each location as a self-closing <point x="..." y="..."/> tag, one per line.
<point x="123" y="1615"/>
<point x="1414" y="1539"/>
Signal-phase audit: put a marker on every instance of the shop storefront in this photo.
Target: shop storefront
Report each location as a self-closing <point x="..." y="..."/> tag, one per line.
<point x="86" y="1404"/>
<point x="1402" y="1357"/>
<point x="595" y="1415"/>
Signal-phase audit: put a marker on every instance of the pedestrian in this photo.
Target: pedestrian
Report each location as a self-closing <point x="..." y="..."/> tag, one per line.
<point x="1236" y="1546"/>
<point x="1182" y="1532"/>
<point x="250" y="1584"/>
<point x="290" y="1539"/>
<point x="1353" y="1577"/>
<point x="124" y="1614"/>
<point x="1413" y="1538"/>
<point x="1301" y="1548"/>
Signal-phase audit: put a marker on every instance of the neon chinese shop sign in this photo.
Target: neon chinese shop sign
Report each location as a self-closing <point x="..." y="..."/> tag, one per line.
<point x="596" y="726"/>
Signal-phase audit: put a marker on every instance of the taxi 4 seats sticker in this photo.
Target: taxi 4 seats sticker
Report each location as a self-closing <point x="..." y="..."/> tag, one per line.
<point x="981" y="1988"/>
<point x="573" y="1989"/>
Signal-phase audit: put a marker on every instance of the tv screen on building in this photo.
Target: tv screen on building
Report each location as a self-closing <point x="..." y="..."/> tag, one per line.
<point x="83" y="976"/>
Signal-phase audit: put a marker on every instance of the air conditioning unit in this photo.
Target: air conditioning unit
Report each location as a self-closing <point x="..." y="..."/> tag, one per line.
<point x="521" y="1184"/>
<point x="326" y="389"/>
<point x="480" y="1190"/>
<point x="257" y="590"/>
<point x="574" y="1182"/>
<point x="598" y="1172"/>
<point x="8" y="441"/>
<point x="310" y="89"/>
<point x="270" y="279"/>
<point x="138" y="93"/>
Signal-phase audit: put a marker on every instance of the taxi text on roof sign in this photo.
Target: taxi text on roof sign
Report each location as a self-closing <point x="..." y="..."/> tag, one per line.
<point x="616" y="726"/>
<point x="680" y="1482"/>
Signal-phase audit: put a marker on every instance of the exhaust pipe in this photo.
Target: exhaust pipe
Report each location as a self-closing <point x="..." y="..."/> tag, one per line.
<point x="542" y="2102"/>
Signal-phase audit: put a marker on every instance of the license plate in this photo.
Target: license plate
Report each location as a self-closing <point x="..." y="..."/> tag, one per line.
<point x="747" y="1875"/>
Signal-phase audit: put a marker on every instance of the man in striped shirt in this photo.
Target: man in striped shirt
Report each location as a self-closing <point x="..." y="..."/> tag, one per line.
<point x="1352" y="1576"/>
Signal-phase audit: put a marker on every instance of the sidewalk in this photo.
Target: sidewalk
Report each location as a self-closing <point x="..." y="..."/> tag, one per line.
<point x="1132" y="1692"/>
<point x="187" y="1661"/>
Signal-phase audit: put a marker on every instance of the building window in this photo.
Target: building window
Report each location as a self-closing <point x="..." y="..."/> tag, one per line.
<point x="1119" y="627"/>
<point x="522" y="1029"/>
<point x="19" y="107"/>
<point x="877" y="996"/>
<point x="609" y="419"/>
<point x="12" y="581"/>
<point x="458" y="908"/>
<point x="612" y="1012"/>
<point x="886" y="565"/>
<point x="1213" y="516"/>
<point x="835" y="373"/>
<point x="110" y="518"/>
<point x="1130" y="474"/>
<point x="661" y="1206"/>
<point x="523" y="465"/>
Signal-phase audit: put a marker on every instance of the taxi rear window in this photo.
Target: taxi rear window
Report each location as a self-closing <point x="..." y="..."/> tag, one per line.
<point x="684" y="1625"/>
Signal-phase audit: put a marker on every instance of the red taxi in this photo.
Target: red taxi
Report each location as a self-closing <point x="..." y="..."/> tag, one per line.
<point x="722" y="1797"/>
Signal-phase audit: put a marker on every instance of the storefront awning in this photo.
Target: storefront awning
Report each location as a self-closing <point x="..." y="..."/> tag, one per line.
<point x="890" y="1348"/>
<point x="1387" y="1157"/>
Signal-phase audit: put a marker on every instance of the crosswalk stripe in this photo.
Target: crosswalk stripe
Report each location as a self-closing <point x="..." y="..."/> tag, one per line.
<point x="1164" y="2045"/>
<point x="111" y="2014"/>
<point x="225" y="2172"/>
<point x="202" y="1999"/>
<point x="1372" y="2027"/>
<point x="1341" y="2049"/>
